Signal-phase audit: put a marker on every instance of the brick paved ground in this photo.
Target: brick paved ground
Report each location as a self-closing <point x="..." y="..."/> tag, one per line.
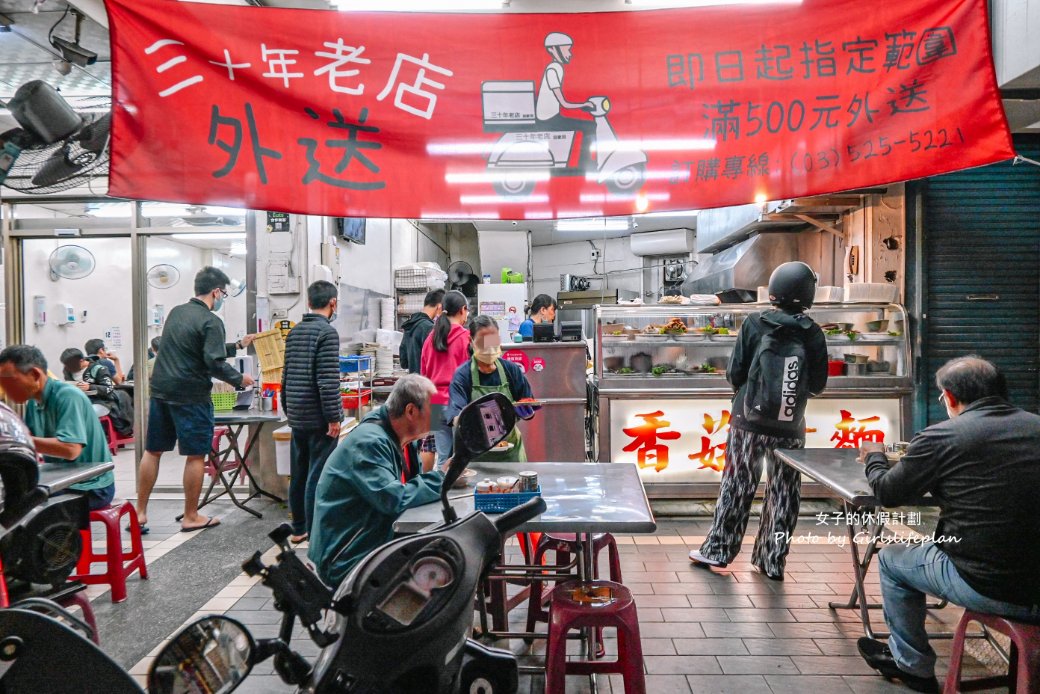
<point x="730" y="630"/>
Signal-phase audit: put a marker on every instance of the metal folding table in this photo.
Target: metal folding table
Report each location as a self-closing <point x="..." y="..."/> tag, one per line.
<point x="218" y="457"/>
<point x="57" y="477"/>
<point x="582" y="498"/>
<point x="839" y="470"/>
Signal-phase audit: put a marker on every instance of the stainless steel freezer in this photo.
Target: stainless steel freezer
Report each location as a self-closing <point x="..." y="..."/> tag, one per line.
<point x="557" y="374"/>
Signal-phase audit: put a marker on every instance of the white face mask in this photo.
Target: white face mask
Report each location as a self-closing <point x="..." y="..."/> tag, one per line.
<point x="78" y="375"/>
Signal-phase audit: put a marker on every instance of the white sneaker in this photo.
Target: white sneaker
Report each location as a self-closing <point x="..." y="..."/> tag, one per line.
<point x="698" y="558"/>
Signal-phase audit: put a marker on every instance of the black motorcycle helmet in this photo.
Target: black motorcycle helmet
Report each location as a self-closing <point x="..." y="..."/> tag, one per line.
<point x="792" y="286"/>
<point x="19" y="472"/>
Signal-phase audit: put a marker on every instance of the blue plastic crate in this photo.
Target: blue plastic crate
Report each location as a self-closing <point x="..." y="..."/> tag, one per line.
<point x="354" y="363"/>
<point x="500" y="503"/>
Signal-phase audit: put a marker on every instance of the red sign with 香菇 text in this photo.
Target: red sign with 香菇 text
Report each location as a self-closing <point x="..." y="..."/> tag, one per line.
<point x="540" y="116"/>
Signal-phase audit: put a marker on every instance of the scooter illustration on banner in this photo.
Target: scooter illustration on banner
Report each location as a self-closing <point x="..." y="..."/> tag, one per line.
<point x="537" y="141"/>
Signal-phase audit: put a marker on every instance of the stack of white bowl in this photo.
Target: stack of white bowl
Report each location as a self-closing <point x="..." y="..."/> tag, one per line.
<point x="384" y="362"/>
<point x="387" y="314"/>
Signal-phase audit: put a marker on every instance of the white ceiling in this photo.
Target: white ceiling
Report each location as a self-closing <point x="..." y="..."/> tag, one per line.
<point x="544" y="233"/>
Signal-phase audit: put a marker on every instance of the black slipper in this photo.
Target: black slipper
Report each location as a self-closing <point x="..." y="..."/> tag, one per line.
<point x="209" y="524"/>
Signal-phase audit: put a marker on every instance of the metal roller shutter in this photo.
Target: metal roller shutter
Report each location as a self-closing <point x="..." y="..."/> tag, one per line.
<point x="981" y="247"/>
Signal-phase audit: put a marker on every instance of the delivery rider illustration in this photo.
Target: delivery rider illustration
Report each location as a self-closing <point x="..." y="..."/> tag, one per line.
<point x="550" y="96"/>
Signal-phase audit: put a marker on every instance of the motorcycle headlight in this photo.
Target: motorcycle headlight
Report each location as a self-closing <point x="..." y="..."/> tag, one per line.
<point x="606" y="105"/>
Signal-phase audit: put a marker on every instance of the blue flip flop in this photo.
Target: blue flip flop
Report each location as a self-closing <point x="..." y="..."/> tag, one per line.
<point x="144" y="529"/>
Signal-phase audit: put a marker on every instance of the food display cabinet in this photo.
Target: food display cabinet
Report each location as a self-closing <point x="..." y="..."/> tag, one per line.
<point x="664" y="402"/>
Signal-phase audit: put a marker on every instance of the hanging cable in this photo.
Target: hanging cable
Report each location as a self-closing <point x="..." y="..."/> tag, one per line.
<point x="50" y="34"/>
<point x="1019" y="159"/>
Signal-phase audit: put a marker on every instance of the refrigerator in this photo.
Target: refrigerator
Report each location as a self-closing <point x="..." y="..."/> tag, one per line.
<point x="556" y="372"/>
<point x="505" y="303"/>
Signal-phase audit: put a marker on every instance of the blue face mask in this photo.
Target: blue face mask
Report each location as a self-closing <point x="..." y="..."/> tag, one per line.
<point x="218" y="303"/>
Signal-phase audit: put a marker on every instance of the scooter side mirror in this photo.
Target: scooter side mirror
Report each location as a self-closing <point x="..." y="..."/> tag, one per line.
<point x="481" y="426"/>
<point x="213" y="654"/>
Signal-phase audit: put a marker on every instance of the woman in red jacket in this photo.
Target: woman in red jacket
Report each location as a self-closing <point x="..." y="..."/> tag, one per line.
<point x="445" y="349"/>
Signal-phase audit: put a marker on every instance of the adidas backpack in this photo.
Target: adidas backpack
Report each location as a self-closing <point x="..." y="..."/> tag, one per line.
<point x="778" y="381"/>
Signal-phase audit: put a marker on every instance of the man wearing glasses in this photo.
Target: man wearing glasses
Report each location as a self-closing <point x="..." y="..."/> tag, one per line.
<point x="981" y="467"/>
<point x="180" y="409"/>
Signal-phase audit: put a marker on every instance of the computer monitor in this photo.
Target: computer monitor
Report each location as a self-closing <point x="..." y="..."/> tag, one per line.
<point x="351" y="228"/>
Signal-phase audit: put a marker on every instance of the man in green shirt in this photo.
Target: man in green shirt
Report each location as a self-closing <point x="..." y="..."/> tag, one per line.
<point x="63" y="423"/>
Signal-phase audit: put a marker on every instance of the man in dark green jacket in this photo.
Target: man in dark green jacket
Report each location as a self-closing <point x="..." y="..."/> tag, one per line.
<point x="360" y="493"/>
<point x="180" y="409"/>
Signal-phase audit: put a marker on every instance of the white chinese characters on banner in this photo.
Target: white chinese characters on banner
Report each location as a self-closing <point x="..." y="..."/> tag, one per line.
<point x="685" y="440"/>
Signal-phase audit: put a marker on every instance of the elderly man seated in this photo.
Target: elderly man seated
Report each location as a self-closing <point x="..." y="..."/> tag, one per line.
<point x="361" y="493"/>
<point x="982" y="467"/>
<point x="63" y="423"/>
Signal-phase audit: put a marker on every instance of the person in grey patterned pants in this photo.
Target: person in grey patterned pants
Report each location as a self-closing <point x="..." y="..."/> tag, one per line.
<point x="745" y="453"/>
<point x="757" y="430"/>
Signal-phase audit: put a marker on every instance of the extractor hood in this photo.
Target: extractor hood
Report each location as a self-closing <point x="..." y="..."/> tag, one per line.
<point x="746" y="265"/>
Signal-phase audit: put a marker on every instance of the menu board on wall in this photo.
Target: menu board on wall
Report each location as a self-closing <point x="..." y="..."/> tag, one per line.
<point x="673" y="440"/>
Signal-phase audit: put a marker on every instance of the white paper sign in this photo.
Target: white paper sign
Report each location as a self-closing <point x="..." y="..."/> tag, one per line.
<point x="674" y="440"/>
<point x="114" y="338"/>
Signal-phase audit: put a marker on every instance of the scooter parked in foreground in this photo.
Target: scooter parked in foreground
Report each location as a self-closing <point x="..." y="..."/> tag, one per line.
<point x="399" y="622"/>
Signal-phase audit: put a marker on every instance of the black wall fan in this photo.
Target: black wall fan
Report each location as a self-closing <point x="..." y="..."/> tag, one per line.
<point x="461" y="277"/>
<point x="56" y="148"/>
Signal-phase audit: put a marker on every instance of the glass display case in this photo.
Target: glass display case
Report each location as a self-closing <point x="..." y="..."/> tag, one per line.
<point x="664" y="400"/>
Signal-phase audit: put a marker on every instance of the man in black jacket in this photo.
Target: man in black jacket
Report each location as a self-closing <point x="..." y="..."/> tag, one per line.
<point x="180" y="410"/>
<point x="310" y="392"/>
<point x="417" y="327"/>
<point x="982" y="469"/>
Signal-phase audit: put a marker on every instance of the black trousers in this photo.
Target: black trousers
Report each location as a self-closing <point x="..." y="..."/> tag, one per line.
<point x="308" y="451"/>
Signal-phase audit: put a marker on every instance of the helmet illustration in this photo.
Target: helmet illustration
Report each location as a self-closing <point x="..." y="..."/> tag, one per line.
<point x="558" y="39"/>
<point x="792" y="285"/>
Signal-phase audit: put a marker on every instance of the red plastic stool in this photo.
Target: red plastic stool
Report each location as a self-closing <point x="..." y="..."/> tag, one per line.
<point x="79" y="599"/>
<point x="114" y="438"/>
<point x="566" y="613"/>
<point x="1023" y="675"/>
<point x="565" y="544"/>
<point x="221" y="433"/>
<point x="119" y="563"/>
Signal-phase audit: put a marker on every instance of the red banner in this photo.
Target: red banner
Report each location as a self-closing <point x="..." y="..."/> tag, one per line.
<point x="541" y="116"/>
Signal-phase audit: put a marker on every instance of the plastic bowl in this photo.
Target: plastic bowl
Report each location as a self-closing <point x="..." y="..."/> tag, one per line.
<point x="853" y="358"/>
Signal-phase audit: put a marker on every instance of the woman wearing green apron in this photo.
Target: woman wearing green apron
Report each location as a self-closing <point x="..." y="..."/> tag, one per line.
<point x="485" y="373"/>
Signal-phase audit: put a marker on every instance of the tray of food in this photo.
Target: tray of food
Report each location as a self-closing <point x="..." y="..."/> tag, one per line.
<point x="674" y="327"/>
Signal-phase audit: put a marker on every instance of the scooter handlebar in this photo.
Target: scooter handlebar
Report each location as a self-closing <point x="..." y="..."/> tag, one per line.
<point x="516" y="517"/>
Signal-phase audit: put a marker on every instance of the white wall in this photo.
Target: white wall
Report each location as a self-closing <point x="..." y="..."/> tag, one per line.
<point x="549" y="262"/>
<point x="500" y="249"/>
<point x="234" y="311"/>
<point x="1016" y="49"/>
<point x="104" y="294"/>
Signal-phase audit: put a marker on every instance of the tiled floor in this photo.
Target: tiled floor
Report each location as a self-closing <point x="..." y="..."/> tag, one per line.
<point x="726" y="630"/>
